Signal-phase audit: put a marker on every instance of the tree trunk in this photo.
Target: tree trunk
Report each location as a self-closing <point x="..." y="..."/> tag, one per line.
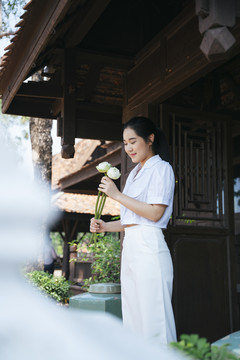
<point x="41" y="141"/>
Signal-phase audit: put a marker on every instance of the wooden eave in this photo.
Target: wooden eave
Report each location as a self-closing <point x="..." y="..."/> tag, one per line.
<point x="39" y="22"/>
<point x="37" y="29"/>
<point x="88" y="174"/>
<point x="75" y="220"/>
<point x="84" y="152"/>
<point x="48" y="29"/>
<point x="99" y="79"/>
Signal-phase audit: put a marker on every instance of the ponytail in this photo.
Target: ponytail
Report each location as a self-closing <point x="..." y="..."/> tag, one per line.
<point x="144" y="127"/>
<point x="160" y="145"/>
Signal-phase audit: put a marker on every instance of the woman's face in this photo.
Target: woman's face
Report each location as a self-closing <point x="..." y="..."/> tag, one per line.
<point x="136" y="147"/>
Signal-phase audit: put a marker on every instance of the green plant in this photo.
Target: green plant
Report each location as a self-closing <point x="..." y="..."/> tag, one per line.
<point x="58" y="288"/>
<point x="57" y="243"/>
<point x="82" y="238"/>
<point x="106" y="264"/>
<point x="199" y="348"/>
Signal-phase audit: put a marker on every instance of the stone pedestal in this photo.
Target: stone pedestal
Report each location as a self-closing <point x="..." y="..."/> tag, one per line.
<point x="104" y="297"/>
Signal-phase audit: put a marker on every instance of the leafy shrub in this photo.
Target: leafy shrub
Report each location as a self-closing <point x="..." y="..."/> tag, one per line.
<point x="58" y="288"/>
<point x="106" y="265"/>
<point x="199" y="348"/>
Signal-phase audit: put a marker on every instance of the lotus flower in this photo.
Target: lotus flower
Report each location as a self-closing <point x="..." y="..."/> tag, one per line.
<point x="103" y="167"/>
<point x="114" y="174"/>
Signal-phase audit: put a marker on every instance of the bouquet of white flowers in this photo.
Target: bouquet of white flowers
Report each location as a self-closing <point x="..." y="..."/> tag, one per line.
<point x="114" y="174"/>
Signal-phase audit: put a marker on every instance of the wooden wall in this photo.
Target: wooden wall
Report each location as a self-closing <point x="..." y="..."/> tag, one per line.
<point x="204" y="299"/>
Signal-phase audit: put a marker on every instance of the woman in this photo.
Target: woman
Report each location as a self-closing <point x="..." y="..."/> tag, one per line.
<point x="49" y="257"/>
<point x="146" y="206"/>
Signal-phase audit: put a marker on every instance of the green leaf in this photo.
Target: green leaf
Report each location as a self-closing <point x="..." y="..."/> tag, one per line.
<point x="58" y="288"/>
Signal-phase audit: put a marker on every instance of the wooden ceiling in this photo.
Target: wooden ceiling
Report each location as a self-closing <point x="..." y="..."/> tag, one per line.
<point x="99" y="39"/>
<point x="83" y="51"/>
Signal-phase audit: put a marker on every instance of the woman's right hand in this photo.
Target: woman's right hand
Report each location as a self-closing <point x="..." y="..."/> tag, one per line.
<point x="97" y="225"/>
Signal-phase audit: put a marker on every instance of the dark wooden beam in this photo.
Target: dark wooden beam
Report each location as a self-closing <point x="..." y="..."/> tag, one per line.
<point x="51" y="88"/>
<point x="46" y="14"/>
<point x="232" y="86"/>
<point x="236" y="160"/>
<point x="85" y="187"/>
<point x="88" y="187"/>
<point x="70" y="217"/>
<point x="33" y="107"/>
<point x="89" y="171"/>
<point x="172" y="61"/>
<point x="40" y="90"/>
<point x="54" y="54"/>
<point x="119" y="62"/>
<point x="84" y="20"/>
<point x="95" y="128"/>
<point x="97" y="108"/>
<point x="94" y="121"/>
<point x="99" y="121"/>
<point x="90" y="82"/>
<point x="57" y="107"/>
<point x="68" y="112"/>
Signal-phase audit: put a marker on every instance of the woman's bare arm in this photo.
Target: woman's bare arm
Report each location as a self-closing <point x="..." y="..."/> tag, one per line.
<point x="152" y="212"/>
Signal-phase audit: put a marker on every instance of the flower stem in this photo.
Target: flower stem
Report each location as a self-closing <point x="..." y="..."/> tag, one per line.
<point x="97" y="202"/>
<point x="101" y="199"/>
<point x="100" y="206"/>
<point x="104" y="196"/>
<point x="93" y="238"/>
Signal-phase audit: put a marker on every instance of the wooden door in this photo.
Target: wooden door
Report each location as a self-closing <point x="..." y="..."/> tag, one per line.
<point x="201" y="231"/>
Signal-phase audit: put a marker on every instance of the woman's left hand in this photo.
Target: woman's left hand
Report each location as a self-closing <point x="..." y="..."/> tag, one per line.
<point x="108" y="187"/>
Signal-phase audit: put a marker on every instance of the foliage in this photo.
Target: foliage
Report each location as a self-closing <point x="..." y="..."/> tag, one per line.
<point x="11" y="8"/>
<point x="199" y="348"/>
<point x="106" y="265"/>
<point x="82" y="238"/>
<point x="58" y="288"/>
<point x="57" y="243"/>
<point x="14" y="130"/>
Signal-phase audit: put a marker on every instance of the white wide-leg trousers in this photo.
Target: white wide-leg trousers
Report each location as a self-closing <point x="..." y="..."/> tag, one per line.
<point x="146" y="283"/>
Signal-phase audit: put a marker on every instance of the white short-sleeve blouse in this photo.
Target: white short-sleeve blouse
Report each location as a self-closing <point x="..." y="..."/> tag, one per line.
<point x="153" y="184"/>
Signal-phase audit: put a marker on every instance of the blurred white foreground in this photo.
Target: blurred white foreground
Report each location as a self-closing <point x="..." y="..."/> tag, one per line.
<point x="31" y="326"/>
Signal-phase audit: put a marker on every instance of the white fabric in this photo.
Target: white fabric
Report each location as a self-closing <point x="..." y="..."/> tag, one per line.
<point x="49" y="254"/>
<point x="146" y="284"/>
<point x="153" y="184"/>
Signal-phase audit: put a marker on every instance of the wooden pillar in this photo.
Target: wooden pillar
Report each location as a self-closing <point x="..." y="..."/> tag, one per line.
<point x="229" y="210"/>
<point x="66" y="257"/>
<point x="68" y="111"/>
<point x="66" y="253"/>
<point x="70" y="233"/>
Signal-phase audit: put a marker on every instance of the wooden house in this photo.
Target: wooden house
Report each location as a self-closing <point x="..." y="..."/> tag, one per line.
<point x="74" y="184"/>
<point x="177" y="62"/>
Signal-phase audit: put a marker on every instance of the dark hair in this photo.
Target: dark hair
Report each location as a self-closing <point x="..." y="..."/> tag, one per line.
<point x="144" y="127"/>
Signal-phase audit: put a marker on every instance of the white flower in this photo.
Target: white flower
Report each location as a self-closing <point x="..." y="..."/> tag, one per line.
<point x="113" y="173"/>
<point x="103" y="167"/>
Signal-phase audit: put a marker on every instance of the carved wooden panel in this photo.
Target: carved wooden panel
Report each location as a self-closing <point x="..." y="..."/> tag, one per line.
<point x="198" y="153"/>
<point x="200" y="234"/>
